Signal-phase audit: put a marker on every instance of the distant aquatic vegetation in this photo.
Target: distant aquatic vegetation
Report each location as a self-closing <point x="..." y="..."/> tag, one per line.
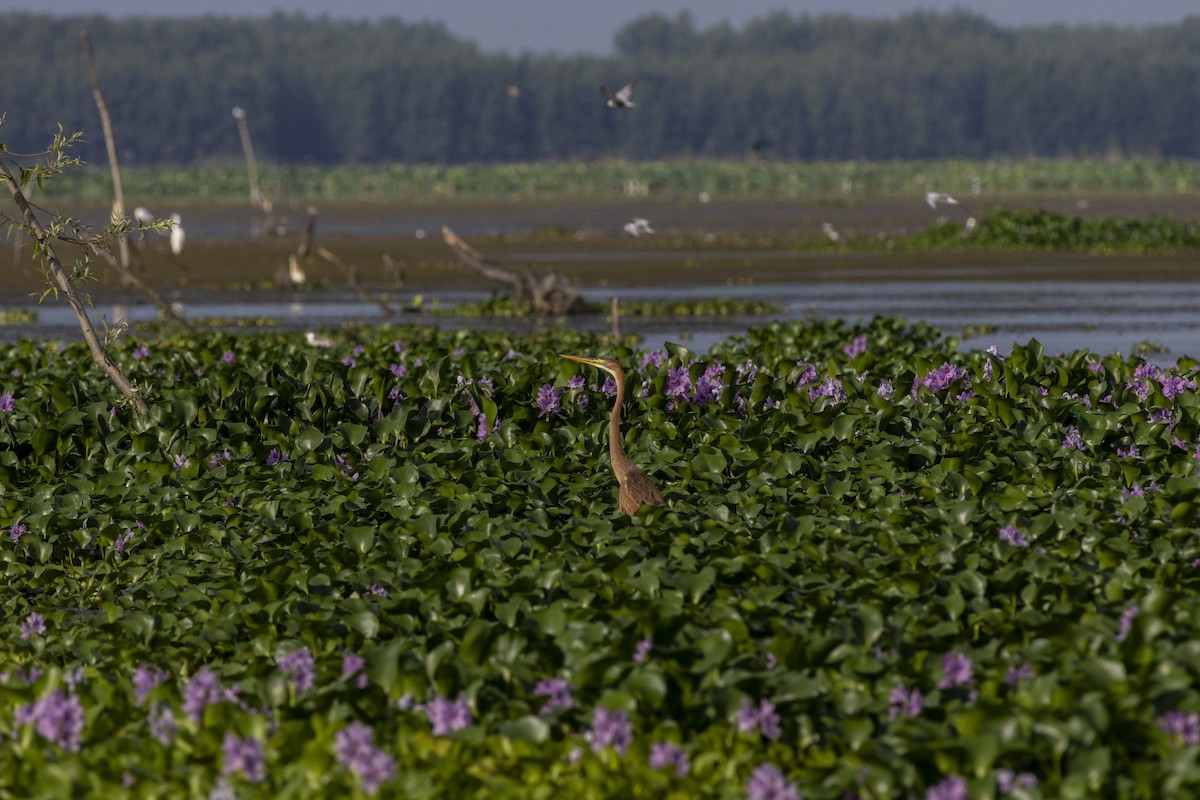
<point x="1037" y="229"/>
<point x="17" y="316"/>
<point x="505" y="306"/>
<point x="632" y="180"/>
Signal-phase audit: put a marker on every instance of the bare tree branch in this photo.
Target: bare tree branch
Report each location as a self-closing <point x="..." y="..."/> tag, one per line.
<point x="99" y="354"/>
<point x="122" y="263"/>
<point x="547" y="296"/>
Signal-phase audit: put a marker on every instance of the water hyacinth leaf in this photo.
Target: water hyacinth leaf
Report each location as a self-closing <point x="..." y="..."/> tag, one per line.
<point x="366" y="623"/>
<point x="309" y="439"/>
<point x="528" y="728"/>
<point x="696" y="585"/>
<point x="1105" y="671"/>
<point x="383" y="663"/>
<point x="713" y="649"/>
<point x="360" y="538"/>
<point x="648" y="686"/>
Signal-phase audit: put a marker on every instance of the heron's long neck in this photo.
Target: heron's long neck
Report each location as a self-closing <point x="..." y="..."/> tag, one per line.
<point x="616" y="452"/>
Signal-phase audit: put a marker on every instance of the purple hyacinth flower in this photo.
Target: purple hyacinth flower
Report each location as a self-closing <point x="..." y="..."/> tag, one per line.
<point x="942" y="377"/>
<point x="643" y="649"/>
<point x="300" y="669"/>
<point x="1013" y="536"/>
<point x="951" y="788"/>
<point x="885" y="390"/>
<point x="202" y="690"/>
<point x="162" y="724"/>
<point x="1073" y="440"/>
<point x="857" y="346"/>
<point x="1125" y="624"/>
<point x="17" y="530"/>
<point x="666" y="754"/>
<point x="144" y="681"/>
<point x="244" y="756"/>
<point x="610" y="729"/>
<point x="710" y="384"/>
<point x="1183" y="727"/>
<point x="355" y="748"/>
<point x="653" y="359"/>
<point x="447" y="716"/>
<point x="1173" y="385"/>
<point x="57" y="718"/>
<point x="7" y="402"/>
<point x="558" y="694"/>
<point x="905" y="702"/>
<point x="548" y="401"/>
<point x="958" y="670"/>
<point x="228" y="357"/>
<point x="768" y="783"/>
<point x="34" y="623"/>
<point x="761" y="718"/>
<point x="679" y="383"/>
<point x="1017" y="674"/>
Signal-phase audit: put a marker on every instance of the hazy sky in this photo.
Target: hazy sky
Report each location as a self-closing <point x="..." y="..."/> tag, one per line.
<point x="588" y="26"/>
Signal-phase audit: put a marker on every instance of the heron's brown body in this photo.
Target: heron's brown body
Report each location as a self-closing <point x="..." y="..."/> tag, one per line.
<point x="636" y="490"/>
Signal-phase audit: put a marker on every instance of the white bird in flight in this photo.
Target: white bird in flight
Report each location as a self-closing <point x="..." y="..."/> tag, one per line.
<point x="933" y="198"/>
<point x="638" y="226"/>
<point x="622" y="98"/>
<point x="143" y="215"/>
<point x="177" y="234"/>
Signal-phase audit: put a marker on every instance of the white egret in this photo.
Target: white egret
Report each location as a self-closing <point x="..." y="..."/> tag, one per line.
<point x="830" y="232"/>
<point x="177" y="234"/>
<point x="315" y="339"/>
<point x="143" y="215"/>
<point x="295" y="271"/>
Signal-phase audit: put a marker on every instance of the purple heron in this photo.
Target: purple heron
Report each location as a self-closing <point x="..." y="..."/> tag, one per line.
<point x="636" y="490"/>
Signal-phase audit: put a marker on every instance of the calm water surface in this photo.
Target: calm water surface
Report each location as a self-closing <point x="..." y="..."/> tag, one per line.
<point x="1063" y="315"/>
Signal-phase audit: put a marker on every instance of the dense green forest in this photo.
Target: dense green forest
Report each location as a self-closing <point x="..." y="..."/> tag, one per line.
<point x="783" y="87"/>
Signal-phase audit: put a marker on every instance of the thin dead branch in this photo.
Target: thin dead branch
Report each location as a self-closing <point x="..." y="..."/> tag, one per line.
<point x="99" y="354"/>
<point x="353" y="280"/>
<point x="122" y="262"/>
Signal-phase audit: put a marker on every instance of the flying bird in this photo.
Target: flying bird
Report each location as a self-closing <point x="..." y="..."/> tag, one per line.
<point x="938" y="198"/>
<point x="143" y="215"/>
<point x="934" y="198"/>
<point x="623" y="98"/>
<point x="177" y="234"/>
<point x="638" y="226"/>
<point x="636" y="490"/>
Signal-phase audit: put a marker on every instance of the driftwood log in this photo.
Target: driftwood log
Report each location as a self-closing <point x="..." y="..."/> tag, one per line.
<point x="546" y="295"/>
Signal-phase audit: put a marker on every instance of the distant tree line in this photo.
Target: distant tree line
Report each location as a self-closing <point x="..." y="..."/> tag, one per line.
<point x="927" y="85"/>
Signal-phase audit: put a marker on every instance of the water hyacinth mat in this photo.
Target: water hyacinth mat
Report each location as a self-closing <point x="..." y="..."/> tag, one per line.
<point x="395" y="568"/>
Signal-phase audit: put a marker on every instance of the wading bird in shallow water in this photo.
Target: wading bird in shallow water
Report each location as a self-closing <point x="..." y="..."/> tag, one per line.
<point x="636" y="489"/>
<point x="622" y="98"/>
